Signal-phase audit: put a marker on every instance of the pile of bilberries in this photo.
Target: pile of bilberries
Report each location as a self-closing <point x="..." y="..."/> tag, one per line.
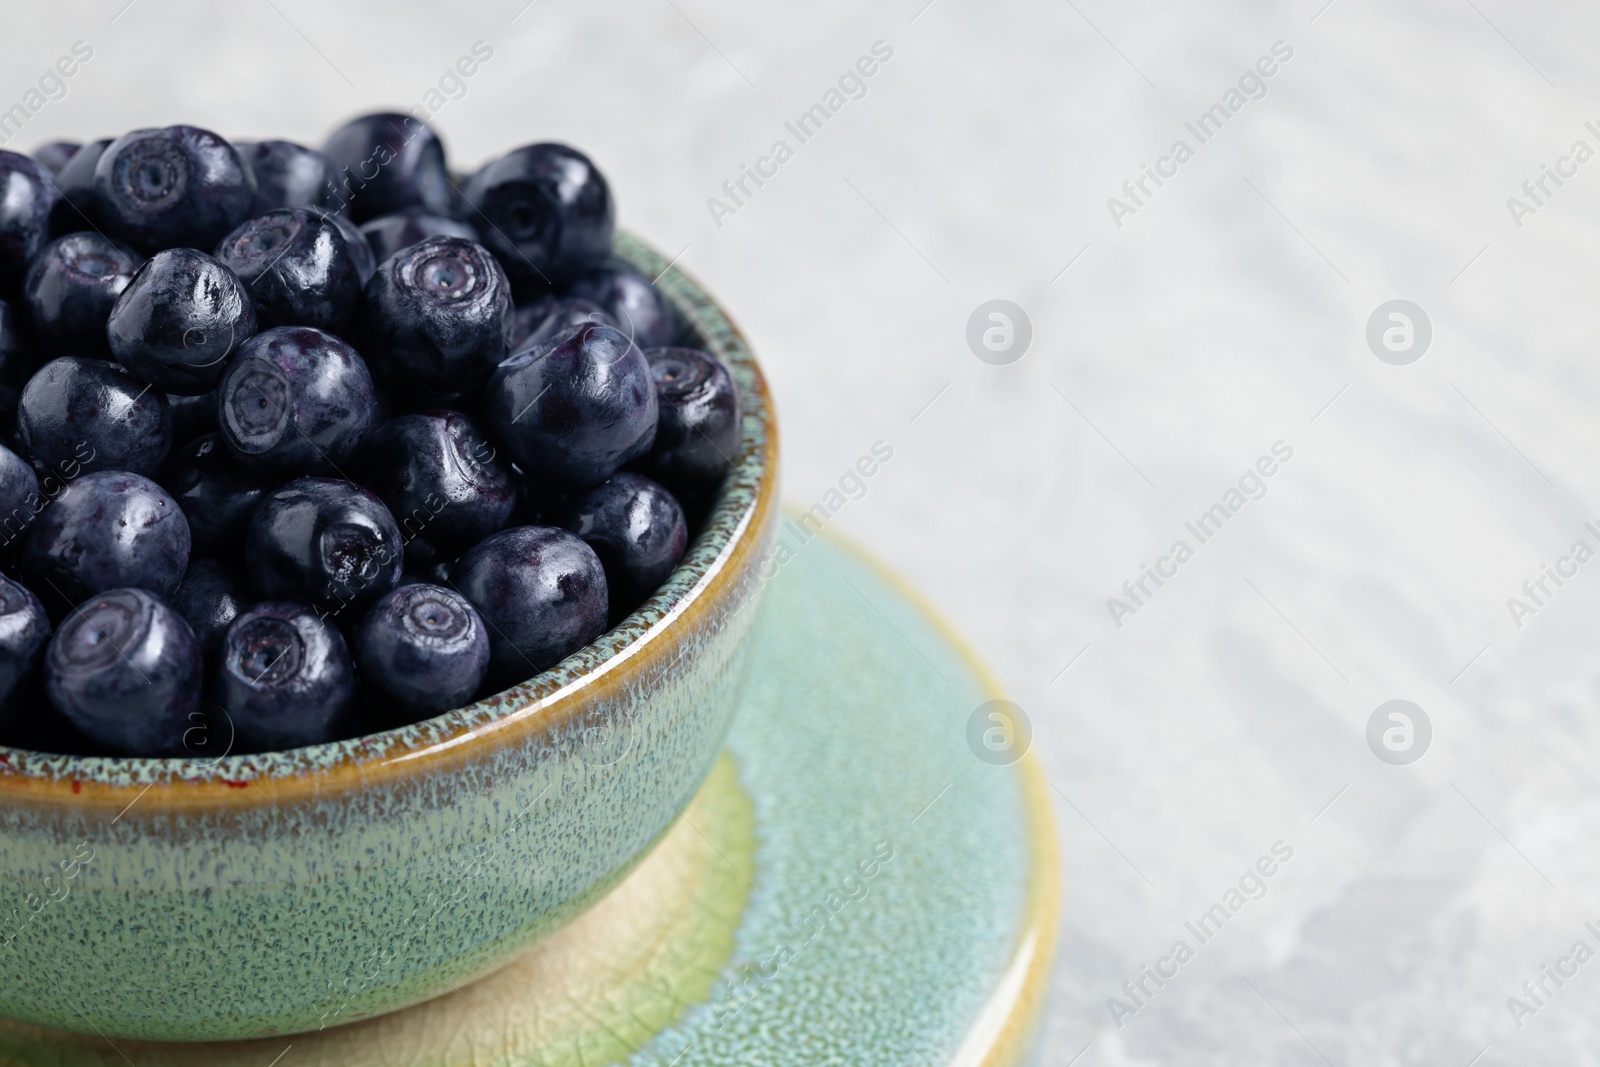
<point x="317" y="442"/>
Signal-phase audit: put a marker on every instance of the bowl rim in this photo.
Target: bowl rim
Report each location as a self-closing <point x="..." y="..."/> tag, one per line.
<point x="713" y="572"/>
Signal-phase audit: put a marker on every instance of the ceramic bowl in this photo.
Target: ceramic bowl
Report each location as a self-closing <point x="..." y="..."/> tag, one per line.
<point x="275" y="894"/>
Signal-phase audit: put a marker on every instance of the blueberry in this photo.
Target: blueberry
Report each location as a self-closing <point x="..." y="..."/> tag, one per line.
<point x="71" y="287"/>
<point x="24" y="629"/>
<point x="385" y="163"/>
<point x="16" y="361"/>
<point x="176" y="186"/>
<point x="541" y="592"/>
<point x="19" y="497"/>
<point x="179" y="318"/>
<point x="55" y="154"/>
<point x="425" y="647"/>
<point x="325" y="542"/>
<point x="76" y="207"/>
<point x="636" y="528"/>
<point x="216" y="493"/>
<point x="299" y="267"/>
<point x="441" y="480"/>
<point x="192" y="415"/>
<point x="701" y="422"/>
<point x="545" y="211"/>
<point x="575" y="411"/>
<point x="284" y="677"/>
<point x="388" y="234"/>
<point x="210" y="597"/>
<point x="26" y="196"/>
<point x="78" y="413"/>
<point x="106" y="530"/>
<point x="360" y="248"/>
<point x="125" y="669"/>
<point x="288" y="175"/>
<point x="294" y="400"/>
<point x="554" y="318"/>
<point x="436" y="317"/>
<point x="637" y="306"/>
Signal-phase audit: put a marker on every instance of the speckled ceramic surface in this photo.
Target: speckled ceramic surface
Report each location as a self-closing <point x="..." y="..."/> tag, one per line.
<point x="180" y="899"/>
<point x="852" y="886"/>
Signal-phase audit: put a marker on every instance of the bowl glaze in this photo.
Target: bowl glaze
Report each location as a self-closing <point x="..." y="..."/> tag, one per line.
<point x="245" y="896"/>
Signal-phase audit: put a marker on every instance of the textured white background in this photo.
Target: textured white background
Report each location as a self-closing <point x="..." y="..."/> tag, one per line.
<point x="1224" y="316"/>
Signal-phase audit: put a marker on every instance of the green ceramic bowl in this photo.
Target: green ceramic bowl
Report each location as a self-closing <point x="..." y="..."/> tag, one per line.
<point x="283" y="893"/>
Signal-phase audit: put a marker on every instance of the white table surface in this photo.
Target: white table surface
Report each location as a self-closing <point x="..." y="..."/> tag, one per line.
<point x="1230" y="712"/>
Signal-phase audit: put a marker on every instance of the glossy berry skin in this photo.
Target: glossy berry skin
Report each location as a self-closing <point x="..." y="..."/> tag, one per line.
<point x="436" y="318"/>
<point x="75" y="208"/>
<point x="545" y="211"/>
<point x="701" y="420"/>
<point x="324" y="542"/>
<point x="442" y="481"/>
<point x="211" y="596"/>
<point x="26" y="197"/>
<point x="636" y="528"/>
<point x="19" y="497"/>
<point x="24" y="629"/>
<point x="93" y="413"/>
<point x="16" y="361"/>
<point x="541" y="592"/>
<point x="179" y="319"/>
<point x="294" y="400"/>
<point x="287" y="175"/>
<point x="299" y="268"/>
<point x="388" y="234"/>
<point x="217" y="495"/>
<point x="192" y="416"/>
<point x="388" y="162"/>
<point x="425" y="647"/>
<point x="53" y="156"/>
<point x="574" y="412"/>
<point x="125" y="669"/>
<point x="637" y="307"/>
<point x="70" y="289"/>
<point x="284" y="677"/>
<point x="556" y="318"/>
<point x="175" y="187"/>
<point x="106" y="530"/>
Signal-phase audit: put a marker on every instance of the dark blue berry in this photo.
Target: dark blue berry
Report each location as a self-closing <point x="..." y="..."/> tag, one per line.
<point x="701" y="420"/>
<point x="388" y="234"/>
<point x="93" y="414"/>
<point x="26" y="196"/>
<point x="295" y="400"/>
<point x="325" y="542"/>
<point x="19" y="497"/>
<point x="541" y="592"/>
<point x="106" y="530"/>
<point x="179" y="319"/>
<point x="71" y="288"/>
<point x="299" y="267"/>
<point x="287" y="174"/>
<point x="554" y="318"/>
<point x="634" y="304"/>
<point x="217" y="495"/>
<point x="54" y="155"/>
<point x="76" y="207"/>
<point x="441" y="480"/>
<point x="210" y="597"/>
<point x="192" y="415"/>
<point x="385" y="163"/>
<point x="178" y="186"/>
<point x="425" y="647"/>
<point x="545" y="211"/>
<point x="636" y="528"/>
<point x="436" y="317"/>
<point x="125" y="669"/>
<point x="573" y="412"/>
<point x="16" y="360"/>
<point x="24" y="629"/>
<point x="284" y="677"/>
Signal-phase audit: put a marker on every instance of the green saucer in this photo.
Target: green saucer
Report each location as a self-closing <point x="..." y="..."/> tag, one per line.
<point x="853" y="885"/>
